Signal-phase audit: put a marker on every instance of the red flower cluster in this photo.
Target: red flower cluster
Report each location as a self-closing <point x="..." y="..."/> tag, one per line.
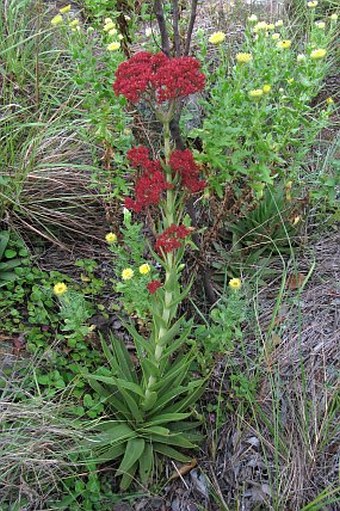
<point x="170" y="239"/>
<point x="150" y="185"/>
<point x="183" y="163"/>
<point x="153" y="286"/>
<point x="167" y="78"/>
<point x="139" y="159"/>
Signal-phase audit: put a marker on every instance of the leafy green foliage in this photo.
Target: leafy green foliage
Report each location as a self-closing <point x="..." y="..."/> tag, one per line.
<point x="254" y="140"/>
<point x="144" y="423"/>
<point x="266" y="230"/>
<point x="130" y="252"/>
<point x="10" y="258"/>
<point x="222" y="332"/>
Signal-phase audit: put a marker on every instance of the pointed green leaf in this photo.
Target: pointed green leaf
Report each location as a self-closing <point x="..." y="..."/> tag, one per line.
<point x="146" y="463"/>
<point x="165" y="418"/>
<point x="174" y="440"/>
<point x="126" y="367"/>
<point x="171" y="453"/>
<point x="132" y="405"/>
<point x="110" y="454"/>
<point x="128" y="477"/>
<point x="133" y="451"/>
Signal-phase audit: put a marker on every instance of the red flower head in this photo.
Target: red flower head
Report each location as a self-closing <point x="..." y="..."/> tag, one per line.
<point x="183" y="163"/>
<point x="153" y="286"/>
<point x="171" y="238"/>
<point x="151" y="184"/>
<point x="163" y="77"/>
<point x="149" y="189"/>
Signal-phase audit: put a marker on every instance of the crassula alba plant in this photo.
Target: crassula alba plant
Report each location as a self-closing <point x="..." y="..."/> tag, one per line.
<point x="152" y="401"/>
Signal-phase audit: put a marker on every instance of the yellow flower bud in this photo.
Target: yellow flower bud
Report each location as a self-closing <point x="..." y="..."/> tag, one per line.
<point x="65" y="9"/>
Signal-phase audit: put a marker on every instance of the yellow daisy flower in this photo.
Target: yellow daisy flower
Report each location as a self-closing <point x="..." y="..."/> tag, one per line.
<point x="275" y="36"/>
<point x="333" y="17"/>
<point x="111" y="237"/>
<point x="127" y="274"/>
<point x="144" y="269"/>
<point x="284" y="45"/>
<point x="235" y="283"/>
<point x="113" y="31"/>
<point x="113" y="46"/>
<point x="329" y="101"/>
<point x="217" y="38"/>
<point x="57" y="20"/>
<point x="266" y="88"/>
<point x="243" y="58"/>
<point x="312" y="5"/>
<point x="107" y="21"/>
<point x="317" y="54"/>
<point x="60" y="288"/>
<point x="270" y="26"/>
<point x="65" y="9"/>
<point x="74" y="23"/>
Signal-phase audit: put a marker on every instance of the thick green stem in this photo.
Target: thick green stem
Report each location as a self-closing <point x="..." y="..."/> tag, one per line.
<point x="170" y="263"/>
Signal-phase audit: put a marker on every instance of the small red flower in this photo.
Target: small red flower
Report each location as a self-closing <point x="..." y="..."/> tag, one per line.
<point x="183" y="163"/>
<point x="171" y="238"/>
<point x="153" y="286"/>
<point x="162" y="77"/>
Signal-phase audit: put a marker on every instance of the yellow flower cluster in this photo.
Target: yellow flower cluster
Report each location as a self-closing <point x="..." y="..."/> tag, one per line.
<point x="284" y="45"/>
<point x="243" y="58"/>
<point x="317" y="54"/>
<point x="312" y="5"/>
<point x="58" y="19"/>
<point x="266" y="89"/>
<point x="60" y="288"/>
<point x="329" y="101"/>
<point x="110" y="28"/>
<point x="261" y="25"/>
<point x="128" y="273"/>
<point x="217" y="38"/>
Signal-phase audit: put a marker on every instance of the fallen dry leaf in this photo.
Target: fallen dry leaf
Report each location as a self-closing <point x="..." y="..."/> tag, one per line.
<point x="184" y="469"/>
<point x="295" y="281"/>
